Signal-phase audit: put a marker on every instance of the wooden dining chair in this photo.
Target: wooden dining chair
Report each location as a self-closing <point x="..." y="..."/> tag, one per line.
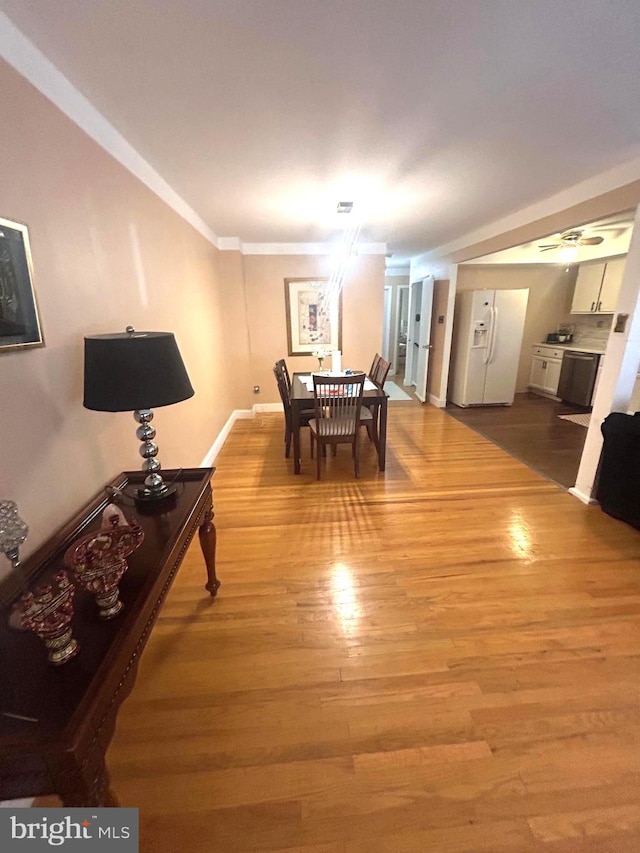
<point x="281" y="364"/>
<point x="284" y="389"/>
<point x="374" y="365"/>
<point x="379" y="376"/>
<point x="370" y="409"/>
<point x="338" y="402"/>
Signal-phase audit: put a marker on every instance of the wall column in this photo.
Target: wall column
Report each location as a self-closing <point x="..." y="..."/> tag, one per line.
<point x="618" y="378"/>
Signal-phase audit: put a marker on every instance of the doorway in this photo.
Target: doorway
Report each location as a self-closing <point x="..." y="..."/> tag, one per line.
<point x="399" y="360"/>
<point x="419" y="336"/>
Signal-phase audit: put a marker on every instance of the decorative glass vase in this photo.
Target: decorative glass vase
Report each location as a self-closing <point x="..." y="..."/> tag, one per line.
<point x="99" y="561"/>
<point x="48" y="611"/>
<point x="13" y="531"/>
<point x="320" y="362"/>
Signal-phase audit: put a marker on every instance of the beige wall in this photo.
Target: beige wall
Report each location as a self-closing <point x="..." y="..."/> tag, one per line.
<point x="362" y="309"/>
<point x="106" y="253"/>
<point x="550" y="292"/>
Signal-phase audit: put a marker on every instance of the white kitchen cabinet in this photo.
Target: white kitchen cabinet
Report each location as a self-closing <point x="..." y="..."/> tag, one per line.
<point x="587" y="289"/>
<point x="552" y="375"/>
<point x="597" y="287"/>
<point x="536" y="377"/>
<point x="611" y="285"/>
<point x="546" y="363"/>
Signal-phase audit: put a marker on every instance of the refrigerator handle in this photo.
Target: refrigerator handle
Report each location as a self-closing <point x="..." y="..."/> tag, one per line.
<point x="487" y="350"/>
<point x="493" y="334"/>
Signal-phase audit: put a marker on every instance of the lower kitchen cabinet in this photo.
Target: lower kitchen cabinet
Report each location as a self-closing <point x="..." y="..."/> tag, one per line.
<point x="546" y="364"/>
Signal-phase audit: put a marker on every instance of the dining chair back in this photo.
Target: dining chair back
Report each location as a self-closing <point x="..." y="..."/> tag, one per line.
<point x="284" y="389"/>
<point x="370" y="408"/>
<point x="379" y="376"/>
<point x="338" y="402"/>
<point x="281" y="364"/>
<point x="286" y="405"/>
<point x="374" y="365"/>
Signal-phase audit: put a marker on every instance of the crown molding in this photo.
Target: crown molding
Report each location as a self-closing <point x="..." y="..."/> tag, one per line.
<point x="19" y="52"/>
<point x="229" y="244"/>
<point x="33" y="65"/>
<point x="307" y="248"/>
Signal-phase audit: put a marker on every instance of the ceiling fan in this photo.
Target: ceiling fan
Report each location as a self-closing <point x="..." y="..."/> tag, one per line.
<point x="571" y="240"/>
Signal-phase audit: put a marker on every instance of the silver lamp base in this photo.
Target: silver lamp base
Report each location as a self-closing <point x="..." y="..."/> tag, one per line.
<point x="155" y="488"/>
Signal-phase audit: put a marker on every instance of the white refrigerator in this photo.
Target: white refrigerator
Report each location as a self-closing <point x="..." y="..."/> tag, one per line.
<point x="487" y="339"/>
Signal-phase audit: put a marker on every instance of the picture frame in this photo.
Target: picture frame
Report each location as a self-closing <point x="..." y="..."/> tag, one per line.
<point x="314" y="316"/>
<point x="19" y="319"/>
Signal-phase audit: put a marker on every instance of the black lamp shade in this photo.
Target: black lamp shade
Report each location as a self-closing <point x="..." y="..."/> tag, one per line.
<point x="129" y="371"/>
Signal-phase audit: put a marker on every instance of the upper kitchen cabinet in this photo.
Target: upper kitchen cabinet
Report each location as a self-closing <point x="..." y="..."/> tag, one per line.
<point x="597" y="287"/>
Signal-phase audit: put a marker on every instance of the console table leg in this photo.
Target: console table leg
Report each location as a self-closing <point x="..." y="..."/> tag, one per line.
<point x="105" y="799"/>
<point x="207" y="534"/>
<point x="87" y="783"/>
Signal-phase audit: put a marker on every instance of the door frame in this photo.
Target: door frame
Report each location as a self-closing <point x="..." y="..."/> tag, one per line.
<point x="400" y="289"/>
<point x="424" y="338"/>
<point x="386" y="322"/>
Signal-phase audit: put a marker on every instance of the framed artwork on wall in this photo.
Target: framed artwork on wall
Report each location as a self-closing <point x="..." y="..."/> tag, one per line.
<point x="19" y="321"/>
<point x="314" y="316"/>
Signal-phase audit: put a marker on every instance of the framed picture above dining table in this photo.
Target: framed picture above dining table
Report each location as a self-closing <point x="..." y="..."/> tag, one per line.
<point x="314" y="315"/>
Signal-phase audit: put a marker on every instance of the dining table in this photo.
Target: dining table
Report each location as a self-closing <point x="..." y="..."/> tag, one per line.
<point x="373" y="396"/>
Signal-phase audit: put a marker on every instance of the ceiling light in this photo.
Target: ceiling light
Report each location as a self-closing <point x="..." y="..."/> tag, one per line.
<point x="568" y="253"/>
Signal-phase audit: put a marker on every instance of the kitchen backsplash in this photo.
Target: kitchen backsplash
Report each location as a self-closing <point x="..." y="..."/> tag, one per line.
<point x="589" y="331"/>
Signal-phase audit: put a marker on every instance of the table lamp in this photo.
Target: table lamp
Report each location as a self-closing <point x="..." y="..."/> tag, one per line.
<point x="138" y="372"/>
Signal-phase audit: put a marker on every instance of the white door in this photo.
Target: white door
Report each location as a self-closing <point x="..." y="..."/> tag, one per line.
<point x="410" y="364"/>
<point x="424" y="339"/>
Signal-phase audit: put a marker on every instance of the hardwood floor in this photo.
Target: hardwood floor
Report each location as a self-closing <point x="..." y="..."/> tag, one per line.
<point x="445" y="658"/>
<point x="531" y="431"/>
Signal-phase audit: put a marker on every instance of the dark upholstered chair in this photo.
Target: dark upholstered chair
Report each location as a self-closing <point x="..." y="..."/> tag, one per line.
<point x="338" y="402"/>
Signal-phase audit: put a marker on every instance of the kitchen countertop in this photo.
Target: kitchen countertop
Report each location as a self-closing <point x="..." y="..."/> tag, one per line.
<point x="571" y="346"/>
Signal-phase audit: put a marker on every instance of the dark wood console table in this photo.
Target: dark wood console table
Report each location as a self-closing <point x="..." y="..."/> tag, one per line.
<point x="56" y="722"/>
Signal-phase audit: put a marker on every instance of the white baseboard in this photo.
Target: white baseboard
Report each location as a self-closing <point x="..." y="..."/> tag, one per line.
<point x="236" y="415"/>
<point x="586" y="499"/>
<point x="439" y="402"/>
<point x="267" y="407"/>
<point x="216" y="447"/>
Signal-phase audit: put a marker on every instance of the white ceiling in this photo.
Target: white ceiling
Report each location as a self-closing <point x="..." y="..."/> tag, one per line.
<point x="435" y="116"/>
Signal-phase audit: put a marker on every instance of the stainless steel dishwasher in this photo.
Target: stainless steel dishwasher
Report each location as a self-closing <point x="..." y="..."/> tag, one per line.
<point x="577" y="377"/>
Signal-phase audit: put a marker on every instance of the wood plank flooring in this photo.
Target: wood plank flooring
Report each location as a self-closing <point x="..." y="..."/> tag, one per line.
<point x="444" y="657"/>
<point x="531" y="431"/>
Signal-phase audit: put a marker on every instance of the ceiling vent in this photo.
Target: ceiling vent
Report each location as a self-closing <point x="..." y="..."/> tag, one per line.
<point x="345" y="206"/>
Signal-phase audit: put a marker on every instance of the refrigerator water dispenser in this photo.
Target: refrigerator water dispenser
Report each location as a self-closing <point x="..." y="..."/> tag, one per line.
<point x="479" y="333"/>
